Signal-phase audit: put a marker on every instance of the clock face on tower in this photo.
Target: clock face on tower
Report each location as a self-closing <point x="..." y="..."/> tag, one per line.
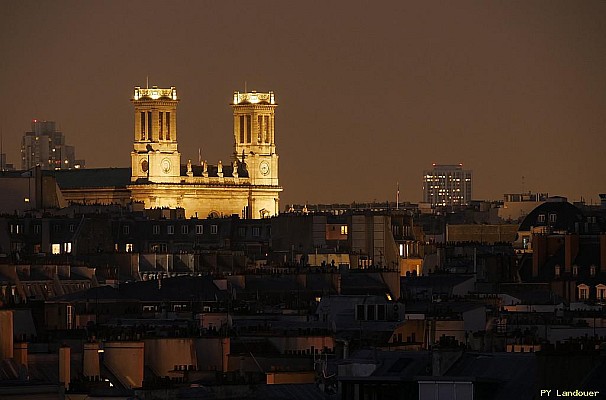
<point x="166" y="165"/>
<point x="264" y="168"/>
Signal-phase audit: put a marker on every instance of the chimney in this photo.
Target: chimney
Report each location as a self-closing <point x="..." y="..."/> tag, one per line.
<point x="571" y="249"/>
<point x="90" y="367"/>
<point x="64" y="365"/>
<point x="125" y="359"/>
<point x="20" y="353"/>
<point x="6" y="334"/>
<point x="226" y="347"/>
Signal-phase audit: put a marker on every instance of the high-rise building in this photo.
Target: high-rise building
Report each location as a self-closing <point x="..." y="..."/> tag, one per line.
<point x="45" y="146"/>
<point x="447" y="185"/>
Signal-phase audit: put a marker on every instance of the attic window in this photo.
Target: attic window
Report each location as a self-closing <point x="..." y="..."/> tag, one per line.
<point x="541" y="218"/>
<point x="583" y="292"/>
<point x="553" y="218"/>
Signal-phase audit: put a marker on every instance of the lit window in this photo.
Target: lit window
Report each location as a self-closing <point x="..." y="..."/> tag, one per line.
<point x="129" y="247"/>
<point x="343" y="229"/>
<point x="199" y="229"/>
<point x="56" y="248"/>
<point x="67" y="247"/>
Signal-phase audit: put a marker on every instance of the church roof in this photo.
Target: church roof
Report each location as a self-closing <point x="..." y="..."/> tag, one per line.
<point x="92" y="177"/>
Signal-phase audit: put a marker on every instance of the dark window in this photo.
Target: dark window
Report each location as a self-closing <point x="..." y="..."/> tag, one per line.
<point x="149" y="125"/>
<point x="241" y="128"/>
<point x="248" y="130"/>
<point x="266" y="128"/>
<point x="360" y="314"/>
<point x="142" y="126"/>
<point x="259" y="128"/>
<point x="167" y="126"/>
<point x="381" y="312"/>
<point x="370" y="312"/>
<point x="161" y="125"/>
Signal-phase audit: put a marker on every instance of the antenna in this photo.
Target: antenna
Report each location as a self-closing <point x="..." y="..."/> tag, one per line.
<point x="2" y="156"/>
<point x="147" y="81"/>
<point x="398" y="196"/>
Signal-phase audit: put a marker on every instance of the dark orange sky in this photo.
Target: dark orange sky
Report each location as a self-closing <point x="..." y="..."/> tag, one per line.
<point x="370" y="93"/>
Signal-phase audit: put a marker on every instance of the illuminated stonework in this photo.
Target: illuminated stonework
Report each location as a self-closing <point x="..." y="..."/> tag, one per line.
<point x="155" y="93"/>
<point x="247" y="185"/>
<point x="254" y="98"/>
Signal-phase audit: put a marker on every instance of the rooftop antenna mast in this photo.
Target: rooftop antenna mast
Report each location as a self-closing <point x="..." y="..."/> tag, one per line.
<point x="147" y="82"/>
<point x="2" y="156"/>
<point x="397" y="195"/>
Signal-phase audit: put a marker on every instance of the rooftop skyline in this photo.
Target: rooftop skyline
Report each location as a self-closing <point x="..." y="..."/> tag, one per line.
<point x="368" y="95"/>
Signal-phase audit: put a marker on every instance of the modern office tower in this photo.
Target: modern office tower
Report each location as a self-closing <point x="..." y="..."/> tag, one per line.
<point x="45" y="146"/>
<point x="447" y="185"/>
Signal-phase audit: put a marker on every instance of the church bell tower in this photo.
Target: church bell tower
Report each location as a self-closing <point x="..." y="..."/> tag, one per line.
<point x="254" y="135"/>
<point x="155" y="157"/>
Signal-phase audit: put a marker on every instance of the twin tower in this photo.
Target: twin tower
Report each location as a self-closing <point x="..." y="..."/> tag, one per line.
<point x="246" y="185"/>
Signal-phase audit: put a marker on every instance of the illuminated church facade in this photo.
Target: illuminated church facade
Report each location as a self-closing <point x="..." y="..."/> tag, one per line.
<point x="247" y="185"/>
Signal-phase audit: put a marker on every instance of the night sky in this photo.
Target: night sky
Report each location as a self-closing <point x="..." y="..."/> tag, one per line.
<point x="369" y="93"/>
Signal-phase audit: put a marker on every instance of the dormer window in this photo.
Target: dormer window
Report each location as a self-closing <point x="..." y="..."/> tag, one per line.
<point x="575" y="270"/>
<point x="553" y="218"/>
<point x="601" y="292"/>
<point x="592" y="270"/>
<point x="557" y="271"/>
<point x="583" y="292"/>
<point x="541" y="218"/>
